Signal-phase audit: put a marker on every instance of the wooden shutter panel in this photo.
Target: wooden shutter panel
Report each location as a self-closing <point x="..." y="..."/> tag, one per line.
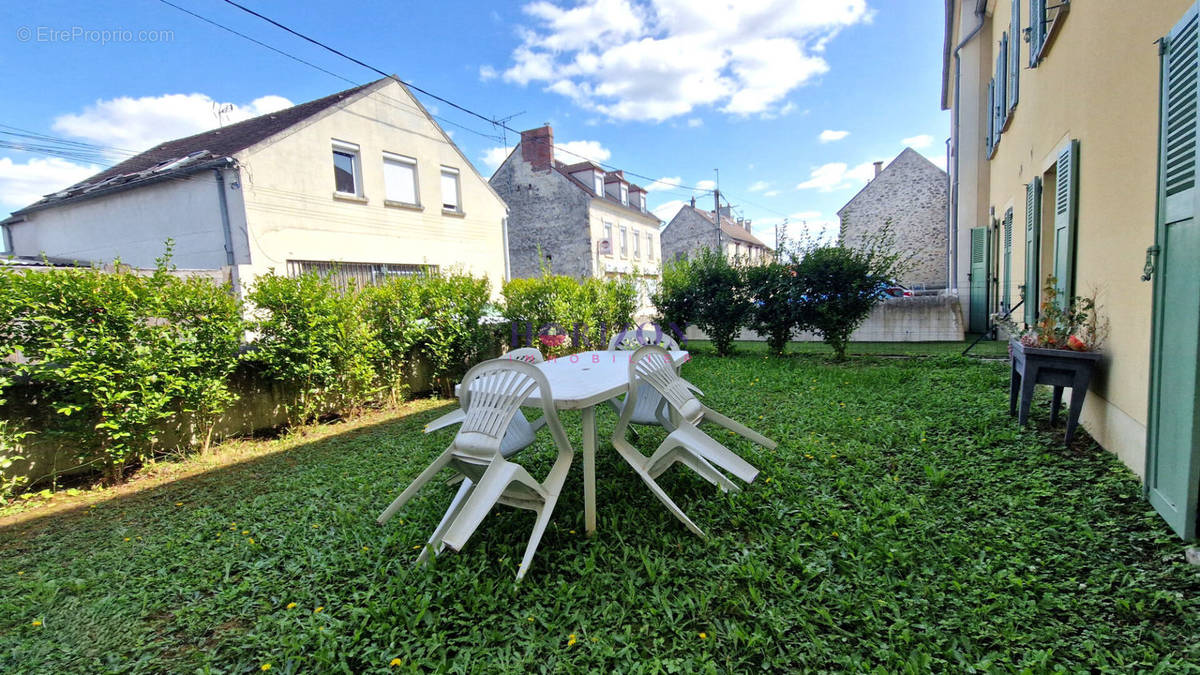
<point x="1179" y="122"/>
<point x="1033" y="228"/>
<point x="1037" y="29"/>
<point x="1006" y="293"/>
<point x="991" y="123"/>
<point x="1014" y="57"/>
<point x="1002" y="82"/>
<point x="1066" y="197"/>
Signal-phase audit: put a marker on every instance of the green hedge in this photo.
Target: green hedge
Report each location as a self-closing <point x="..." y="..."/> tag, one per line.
<point x="562" y="315"/>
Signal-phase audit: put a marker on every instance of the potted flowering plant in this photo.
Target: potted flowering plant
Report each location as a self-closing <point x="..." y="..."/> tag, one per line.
<point x="1060" y="349"/>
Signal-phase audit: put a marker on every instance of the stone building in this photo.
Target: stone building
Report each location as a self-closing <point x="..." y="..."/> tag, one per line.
<point x="910" y="194"/>
<point x="576" y="219"/>
<point x="693" y="229"/>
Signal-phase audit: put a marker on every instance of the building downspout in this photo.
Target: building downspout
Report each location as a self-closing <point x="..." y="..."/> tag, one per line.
<point x="952" y="224"/>
<point x="227" y="230"/>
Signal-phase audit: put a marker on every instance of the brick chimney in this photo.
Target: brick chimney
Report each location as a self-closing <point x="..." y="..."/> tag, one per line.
<point x="537" y="147"/>
<point x="878" y="168"/>
<point x="693" y="202"/>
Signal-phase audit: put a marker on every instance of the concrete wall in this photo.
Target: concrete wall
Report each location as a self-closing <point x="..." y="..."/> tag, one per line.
<point x="132" y="225"/>
<point x="1097" y="83"/>
<point x="293" y="214"/>
<point x="926" y="318"/>
<point x="910" y="195"/>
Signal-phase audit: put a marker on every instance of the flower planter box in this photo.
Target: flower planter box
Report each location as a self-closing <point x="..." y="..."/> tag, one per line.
<point x="1059" y="368"/>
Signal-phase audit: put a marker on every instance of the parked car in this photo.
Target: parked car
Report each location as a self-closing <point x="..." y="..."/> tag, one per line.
<point x="894" y="289"/>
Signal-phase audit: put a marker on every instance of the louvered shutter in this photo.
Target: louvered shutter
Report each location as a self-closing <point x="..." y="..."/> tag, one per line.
<point x="1037" y="29"/>
<point x="1014" y="56"/>
<point x="1066" y="197"/>
<point x="1179" y="133"/>
<point x="1033" y="228"/>
<point x="1002" y="82"/>
<point x="1006" y="293"/>
<point x="992" y="131"/>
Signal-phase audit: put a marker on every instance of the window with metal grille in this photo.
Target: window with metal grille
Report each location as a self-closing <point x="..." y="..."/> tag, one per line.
<point x="357" y="274"/>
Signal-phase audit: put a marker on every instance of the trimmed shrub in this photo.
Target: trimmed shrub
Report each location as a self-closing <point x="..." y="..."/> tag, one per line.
<point x="838" y="288"/>
<point x="393" y="309"/>
<point x="115" y="353"/>
<point x="720" y="303"/>
<point x="675" y="297"/>
<point x="562" y="315"/>
<point x="773" y="308"/>
<point x="453" y="335"/>
<point x="314" y="338"/>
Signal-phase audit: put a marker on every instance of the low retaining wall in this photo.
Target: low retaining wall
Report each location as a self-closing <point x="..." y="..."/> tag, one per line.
<point x="922" y="318"/>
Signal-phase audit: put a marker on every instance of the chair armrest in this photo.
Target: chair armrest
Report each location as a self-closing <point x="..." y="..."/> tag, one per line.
<point x="451" y="418"/>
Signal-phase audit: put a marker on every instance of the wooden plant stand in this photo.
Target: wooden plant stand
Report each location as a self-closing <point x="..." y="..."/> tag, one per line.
<point x="1059" y="368"/>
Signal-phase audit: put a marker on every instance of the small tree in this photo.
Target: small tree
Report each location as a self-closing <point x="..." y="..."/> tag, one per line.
<point x="720" y="302"/>
<point x="675" y="298"/>
<point x="837" y="286"/>
<point x="772" y="309"/>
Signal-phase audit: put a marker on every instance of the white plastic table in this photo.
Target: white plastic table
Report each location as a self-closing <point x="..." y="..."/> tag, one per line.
<point x="579" y="382"/>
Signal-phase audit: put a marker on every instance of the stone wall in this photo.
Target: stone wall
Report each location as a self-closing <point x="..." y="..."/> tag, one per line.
<point x="911" y="193"/>
<point x="544" y="210"/>
<point x="686" y="234"/>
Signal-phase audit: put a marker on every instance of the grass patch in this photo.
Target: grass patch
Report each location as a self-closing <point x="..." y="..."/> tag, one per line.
<point x="984" y="349"/>
<point x="905" y="523"/>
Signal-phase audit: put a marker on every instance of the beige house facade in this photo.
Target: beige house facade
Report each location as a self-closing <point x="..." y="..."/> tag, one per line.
<point x="363" y="182"/>
<point x="1062" y="162"/>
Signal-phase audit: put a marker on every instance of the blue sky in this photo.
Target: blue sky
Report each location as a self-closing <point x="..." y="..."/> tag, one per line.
<point x="791" y="99"/>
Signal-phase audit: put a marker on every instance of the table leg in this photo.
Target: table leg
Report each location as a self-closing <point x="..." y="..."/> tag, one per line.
<point x="1078" y="392"/>
<point x="1028" y="382"/>
<point x="1014" y="387"/>
<point x="589" y="470"/>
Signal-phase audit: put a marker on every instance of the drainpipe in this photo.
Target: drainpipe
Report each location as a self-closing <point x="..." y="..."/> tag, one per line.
<point x="227" y="229"/>
<point x="980" y="12"/>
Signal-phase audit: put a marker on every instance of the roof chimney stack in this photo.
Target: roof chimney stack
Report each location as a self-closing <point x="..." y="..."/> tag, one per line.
<point x="693" y="202"/>
<point x="878" y="168"/>
<point x="537" y="147"/>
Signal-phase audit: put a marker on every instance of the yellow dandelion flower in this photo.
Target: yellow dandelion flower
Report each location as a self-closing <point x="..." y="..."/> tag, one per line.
<point x="896" y="478"/>
<point x="251" y="540"/>
<point x="91" y="506"/>
<point x="835" y="534"/>
<point x="703" y="636"/>
<point x="265" y="667"/>
<point x="291" y="605"/>
<point x="572" y="531"/>
<point x="366" y="548"/>
<point x="178" y="503"/>
<point x="318" y="610"/>
<point x="395" y="662"/>
<point x="233" y="525"/>
<point x="768" y="480"/>
<point x="531" y="619"/>
<point x="21" y="573"/>
<point x="126" y="538"/>
<point x="922" y="440"/>
<point x="416" y="547"/>
<point x="833" y="454"/>
<point x="315" y="526"/>
<point x="36" y="622"/>
<point x="571" y="636"/>
<point x="595" y="639"/>
<point x="808" y="455"/>
<point x="245" y="532"/>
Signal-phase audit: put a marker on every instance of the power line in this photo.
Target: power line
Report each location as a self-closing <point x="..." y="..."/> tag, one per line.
<point x="494" y="122"/>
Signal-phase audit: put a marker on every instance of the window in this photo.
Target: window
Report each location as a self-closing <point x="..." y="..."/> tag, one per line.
<point x="637" y="245"/>
<point x="1014" y="55"/>
<point x="608" y="236"/>
<point x="598" y="183"/>
<point x="650" y="246"/>
<point x="346" y="169"/>
<point x="400" y="179"/>
<point x="624" y="194"/>
<point x="624" y="242"/>
<point x="347" y="275"/>
<point x="1043" y="22"/>
<point x="450" y="192"/>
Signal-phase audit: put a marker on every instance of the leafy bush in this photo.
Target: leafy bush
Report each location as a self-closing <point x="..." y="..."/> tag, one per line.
<point x="453" y="337"/>
<point x="393" y="309"/>
<point x="773" y="308"/>
<point x="564" y="315"/>
<point x="314" y="338"/>
<point x="838" y="287"/>
<point x="720" y="303"/>
<point x="117" y="352"/>
<point x="675" y="297"/>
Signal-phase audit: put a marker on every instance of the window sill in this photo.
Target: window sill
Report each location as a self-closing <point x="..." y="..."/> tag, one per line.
<point x="454" y="213"/>
<point x="402" y="205"/>
<point x="346" y="197"/>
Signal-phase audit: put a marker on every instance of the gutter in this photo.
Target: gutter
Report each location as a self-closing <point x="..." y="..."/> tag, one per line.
<point x="952" y="215"/>
<point x="226" y="228"/>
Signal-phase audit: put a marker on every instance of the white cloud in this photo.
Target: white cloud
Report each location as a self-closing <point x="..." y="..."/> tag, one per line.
<point x="665" y="183"/>
<point x="836" y="176"/>
<point x="705" y="185"/>
<point x="135" y="124"/>
<point x="666" y="211"/>
<point x="917" y="142"/>
<point x="658" y="59"/>
<point x="492" y="158"/>
<point x="694" y="122"/>
<point x="771" y="193"/>
<point x="487" y="72"/>
<point x="829" y="135"/>
<point x="578" y="151"/>
<point x="24" y="184"/>
<point x="759" y="186"/>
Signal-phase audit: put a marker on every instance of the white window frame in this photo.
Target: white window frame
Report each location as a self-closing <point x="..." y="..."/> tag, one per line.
<point x="598" y="183"/>
<point x="391" y="157"/>
<point x="451" y="171"/>
<point x="608" y="234"/>
<point x="351" y="149"/>
<point x="649" y="246"/>
<point x="637" y="244"/>
<point x="624" y="194"/>
<point x="624" y="242"/>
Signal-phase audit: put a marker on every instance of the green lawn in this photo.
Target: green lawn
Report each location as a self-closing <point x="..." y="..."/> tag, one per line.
<point x="905" y="523"/>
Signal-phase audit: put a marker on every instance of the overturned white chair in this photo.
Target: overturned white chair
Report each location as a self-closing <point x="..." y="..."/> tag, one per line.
<point x="491" y="396"/>
<point x="652" y="367"/>
<point x="648" y="400"/>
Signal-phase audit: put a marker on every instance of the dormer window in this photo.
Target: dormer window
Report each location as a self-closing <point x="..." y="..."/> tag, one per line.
<point x="625" y="194"/>
<point x="598" y="183"/>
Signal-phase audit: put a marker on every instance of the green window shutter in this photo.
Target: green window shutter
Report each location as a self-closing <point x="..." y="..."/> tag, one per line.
<point x="1002" y="81"/>
<point x="1037" y="29"/>
<point x="1033" y="227"/>
<point x="1006" y="293"/>
<point x="990" y="141"/>
<point x="1066" y="198"/>
<point x="1014" y="56"/>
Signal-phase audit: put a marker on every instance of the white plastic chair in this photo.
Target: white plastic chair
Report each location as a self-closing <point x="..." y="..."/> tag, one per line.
<point x="633" y="338"/>
<point x="519" y="431"/>
<point x="686" y="444"/>
<point x="491" y="395"/>
<point x="647" y="400"/>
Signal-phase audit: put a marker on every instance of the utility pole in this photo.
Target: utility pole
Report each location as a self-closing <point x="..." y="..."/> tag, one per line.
<point x="717" y="210"/>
